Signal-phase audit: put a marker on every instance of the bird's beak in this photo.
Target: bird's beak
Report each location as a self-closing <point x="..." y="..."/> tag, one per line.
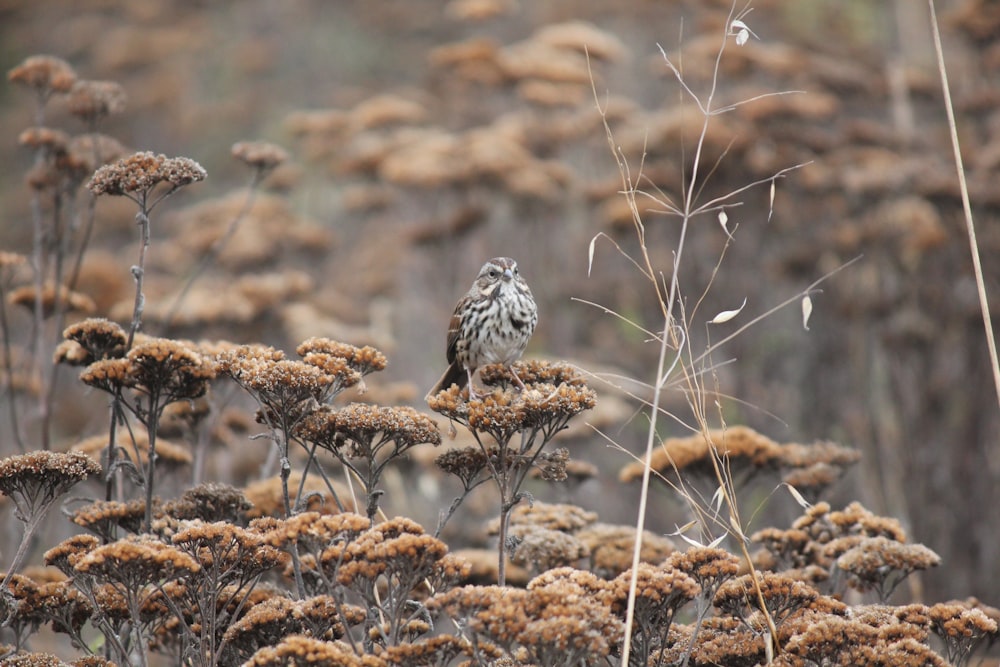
<point x="508" y="274"/>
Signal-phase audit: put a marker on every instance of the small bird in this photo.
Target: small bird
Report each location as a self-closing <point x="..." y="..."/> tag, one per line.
<point x="491" y="325"/>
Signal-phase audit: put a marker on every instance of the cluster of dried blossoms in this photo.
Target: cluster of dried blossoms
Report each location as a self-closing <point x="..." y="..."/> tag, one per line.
<point x="220" y="593"/>
<point x="511" y="429"/>
<point x="137" y="175"/>
<point x="810" y="468"/>
<point x="209" y="586"/>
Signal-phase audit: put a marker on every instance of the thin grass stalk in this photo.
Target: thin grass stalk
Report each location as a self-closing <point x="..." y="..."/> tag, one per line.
<point x="8" y="364"/>
<point x="970" y="226"/>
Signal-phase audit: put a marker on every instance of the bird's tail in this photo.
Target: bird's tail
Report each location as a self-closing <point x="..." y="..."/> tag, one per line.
<point x="455" y="374"/>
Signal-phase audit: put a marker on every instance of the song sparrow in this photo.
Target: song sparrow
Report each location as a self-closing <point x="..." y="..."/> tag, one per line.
<point x="491" y="324"/>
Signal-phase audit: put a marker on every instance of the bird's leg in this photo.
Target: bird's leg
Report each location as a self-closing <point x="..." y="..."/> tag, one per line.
<point x="473" y="396"/>
<point x="517" y="380"/>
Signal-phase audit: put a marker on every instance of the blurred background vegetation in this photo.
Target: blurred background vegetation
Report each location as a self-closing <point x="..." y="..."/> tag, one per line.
<point x="428" y="136"/>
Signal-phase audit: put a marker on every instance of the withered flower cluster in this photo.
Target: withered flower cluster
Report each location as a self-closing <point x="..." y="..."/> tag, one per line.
<point x="259" y="155"/>
<point x="90" y="101"/>
<point x="366" y="438"/>
<point x="35" y="480"/>
<point x="564" y="617"/>
<point x="137" y="175"/>
<point x="810" y="468"/>
<point x="852" y="546"/>
<point x="511" y="429"/>
<point x="45" y="75"/>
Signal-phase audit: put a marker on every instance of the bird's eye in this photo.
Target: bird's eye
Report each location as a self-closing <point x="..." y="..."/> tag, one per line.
<point x="515" y="270"/>
<point x="493" y="273"/>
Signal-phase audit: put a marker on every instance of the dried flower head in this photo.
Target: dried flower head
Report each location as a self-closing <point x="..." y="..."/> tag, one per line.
<point x="64" y="607"/>
<point x="299" y="651"/>
<point x="11" y="260"/>
<point x="90" y="101"/>
<point x="44" y="74"/>
<point x="962" y="628"/>
<point x="738" y="443"/>
<point x="98" y="338"/>
<point x="136" y="563"/>
<point x="51" y="299"/>
<point x="211" y="501"/>
<point x="782" y="595"/>
<point x="34" y="660"/>
<point x="468" y="464"/>
<point x="564" y="517"/>
<point x="495" y="613"/>
<point x="65" y="554"/>
<point x="235" y="555"/>
<point x="364" y="360"/>
<point x="271" y="621"/>
<point x="266" y="496"/>
<point x="660" y="592"/>
<point x="35" y="480"/>
<point x="710" y="567"/>
<point x="168" y="370"/>
<point x="535" y="371"/>
<point x="92" y="150"/>
<point x="108" y="518"/>
<point x="168" y="454"/>
<point x="366" y="438"/>
<point x="539" y="549"/>
<point x="260" y="155"/>
<point x="881" y="564"/>
<point x="136" y="176"/>
<point x="286" y="389"/>
<point x="611" y="547"/>
<point x="49" y="141"/>
<point x="569" y="618"/>
<point x="362" y="430"/>
<point x="397" y="550"/>
<point x="543" y="409"/>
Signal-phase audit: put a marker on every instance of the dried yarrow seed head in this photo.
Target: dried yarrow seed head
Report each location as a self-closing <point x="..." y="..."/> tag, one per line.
<point x="98" y="338"/>
<point x="211" y="501"/>
<point x="286" y="389"/>
<point x="233" y="553"/>
<point x="52" y="300"/>
<point x="660" y="592"/>
<point x="565" y="622"/>
<point x="49" y="141"/>
<point x="542" y="409"/>
<point x="364" y="360"/>
<point x="540" y="549"/>
<point x="169" y="369"/>
<point x="260" y="155"/>
<point x="611" y="547"/>
<point x="91" y="101"/>
<point x="269" y="622"/>
<point x="44" y="74"/>
<point x="363" y="430"/>
<point x="92" y="150"/>
<point x="141" y="172"/>
<point x="299" y="650"/>
<point x="534" y="372"/>
<point x="564" y="517"/>
<point x="782" y="596"/>
<point x="35" y="480"/>
<point x="962" y="627"/>
<point x="137" y="562"/>
<point x="467" y="463"/>
<point x="881" y="564"/>
<point x="108" y="519"/>
<point x="708" y="566"/>
<point x="64" y="555"/>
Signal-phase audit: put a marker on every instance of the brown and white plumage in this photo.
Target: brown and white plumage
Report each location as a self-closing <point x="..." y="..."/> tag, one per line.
<point x="491" y="324"/>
